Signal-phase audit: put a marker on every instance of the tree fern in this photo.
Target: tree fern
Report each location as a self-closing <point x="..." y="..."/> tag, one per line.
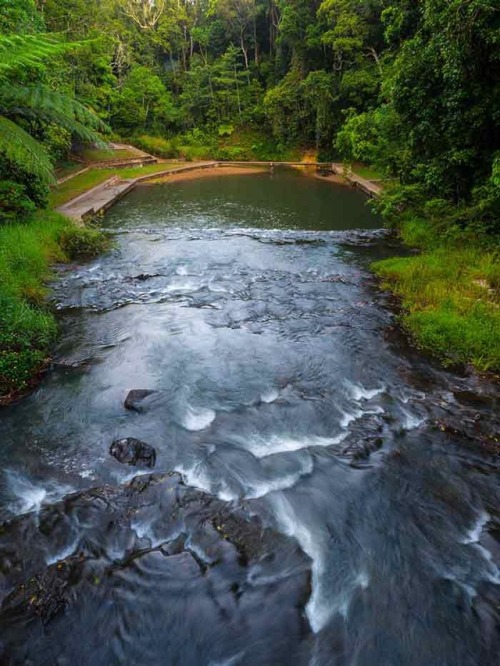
<point x="21" y="148"/>
<point x="37" y="102"/>
<point x="17" y="51"/>
<point x="40" y="100"/>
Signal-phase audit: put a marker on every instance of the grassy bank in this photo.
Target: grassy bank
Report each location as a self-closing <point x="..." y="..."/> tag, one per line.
<point x="450" y="294"/>
<point x="72" y="188"/>
<point x="27" y="326"/>
<point x="232" y="144"/>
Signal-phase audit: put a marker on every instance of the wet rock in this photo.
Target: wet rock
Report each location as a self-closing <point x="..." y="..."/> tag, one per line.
<point x="135" y="398"/>
<point x="132" y="451"/>
<point x="142" y="277"/>
<point x="47" y="594"/>
<point x="81" y="364"/>
<point x="475" y="398"/>
<point x="152" y="558"/>
<point x="470" y="430"/>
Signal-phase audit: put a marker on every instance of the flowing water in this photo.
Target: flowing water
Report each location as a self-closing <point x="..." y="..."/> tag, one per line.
<point x="281" y="387"/>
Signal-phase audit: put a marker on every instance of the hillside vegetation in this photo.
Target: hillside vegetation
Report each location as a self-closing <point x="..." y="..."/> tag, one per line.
<point x="407" y="92"/>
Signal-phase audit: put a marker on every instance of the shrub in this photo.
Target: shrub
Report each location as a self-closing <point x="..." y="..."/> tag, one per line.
<point x="17" y="368"/>
<point x="34" y="188"/>
<point x="81" y="242"/>
<point x="166" y="148"/>
<point x="15" y="205"/>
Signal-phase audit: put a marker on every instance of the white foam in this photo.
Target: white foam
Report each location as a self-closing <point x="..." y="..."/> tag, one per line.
<point x="411" y="421"/>
<point x="359" y="392"/>
<point x="270" y="395"/>
<point x="474" y="534"/>
<point x="344" y="599"/>
<point x="260" y="489"/>
<point x="318" y="609"/>
<point x="86" y="474"/>
<point x="472" y="539"/>
<point x="142" y="528"/>
<point x="262" y="446"/>
<point x="198" y="477"/>
<point x="62" y="554"/>
<point x="29" y="495"/>
<point x="180" y="283"/>
<point x="198" y="418"/>
<point x="349" y="417"/>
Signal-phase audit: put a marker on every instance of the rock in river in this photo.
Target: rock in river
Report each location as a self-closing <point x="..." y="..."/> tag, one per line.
<point x="135" y="398"/>
<point x="122" y="575"/>
<point x="133" y="452"/>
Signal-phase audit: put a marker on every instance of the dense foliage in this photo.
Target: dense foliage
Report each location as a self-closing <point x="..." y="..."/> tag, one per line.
<point x="411" y="88"/>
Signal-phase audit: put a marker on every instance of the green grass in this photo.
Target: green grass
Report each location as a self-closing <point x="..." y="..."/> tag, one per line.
<point x="368" y="172"/>
<point x="27" y="326"/>
<point x="72" y="188"/>
<point x="450" y="295"/>
<point x="103" y="155"/>
<point x="68" y="168"/>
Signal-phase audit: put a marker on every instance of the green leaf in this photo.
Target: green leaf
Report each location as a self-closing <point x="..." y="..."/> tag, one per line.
<point x="21" y="148"/>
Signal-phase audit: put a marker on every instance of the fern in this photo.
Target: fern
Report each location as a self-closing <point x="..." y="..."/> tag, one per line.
<point x="21" y="148"/>
<point x="37" y="102"/>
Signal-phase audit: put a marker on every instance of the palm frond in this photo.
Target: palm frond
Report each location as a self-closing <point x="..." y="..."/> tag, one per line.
<point x="39" y="100"/>
<point x="30" y="50"/>
<point x="21" y="148"/>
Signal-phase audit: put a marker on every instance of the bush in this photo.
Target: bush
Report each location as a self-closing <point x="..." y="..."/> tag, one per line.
<point x="27" y="326"/>
<point x="81" y="242"/>
<point x="157" y="146"/>
<point x="26" y="332"/>
<point x="17" y="368"/>
<point x="34" y="188"/>
<point x="15" y="205"/>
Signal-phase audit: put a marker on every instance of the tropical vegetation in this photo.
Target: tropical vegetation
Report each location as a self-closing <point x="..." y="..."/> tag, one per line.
<point x="409" y="90"/>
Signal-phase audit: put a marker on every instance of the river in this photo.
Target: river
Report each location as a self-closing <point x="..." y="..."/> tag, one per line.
<point x="283" y="389"/>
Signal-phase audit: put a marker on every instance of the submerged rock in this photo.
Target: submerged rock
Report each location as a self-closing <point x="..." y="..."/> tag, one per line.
<point x="134" y="399"/>
<point x="151" y="571"/>
<point x="132" y="451"/>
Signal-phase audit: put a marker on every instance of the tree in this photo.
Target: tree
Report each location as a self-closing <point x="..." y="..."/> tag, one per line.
<point x="143" y="102"/>
<point x="24" y="105"/>
<point x="240" y="16"/>
<point x="146" y="13"/>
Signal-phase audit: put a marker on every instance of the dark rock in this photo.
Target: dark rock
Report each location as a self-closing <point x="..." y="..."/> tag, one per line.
<point x="135" y="398"/>
<point x="133" y="452"/>
<point x="147" y="554"/>
<point x="142" y="277"/>
<point x="47" y="594"/>
<point x="72" y="364"/>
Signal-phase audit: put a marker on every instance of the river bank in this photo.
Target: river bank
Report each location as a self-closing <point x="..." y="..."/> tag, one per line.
<point x="27" y="324"/>
<point x="449" y="292"/>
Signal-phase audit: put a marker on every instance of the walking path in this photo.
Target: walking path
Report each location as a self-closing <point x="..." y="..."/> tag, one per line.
<point x="103" y="196"/>
<point x="369" y="187"/>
